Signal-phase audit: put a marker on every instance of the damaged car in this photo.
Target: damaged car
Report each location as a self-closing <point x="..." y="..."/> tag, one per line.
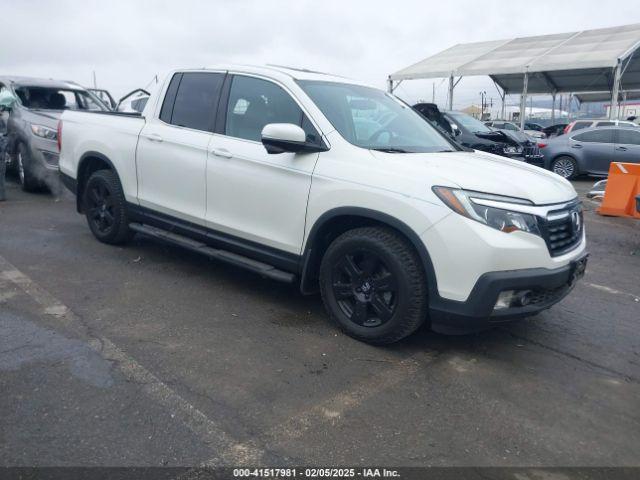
<point x="472" y="133"/>
<point x="30" y="108"/>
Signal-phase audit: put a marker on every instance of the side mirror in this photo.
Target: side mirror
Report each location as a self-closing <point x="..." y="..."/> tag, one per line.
<point x="286" y="137"/>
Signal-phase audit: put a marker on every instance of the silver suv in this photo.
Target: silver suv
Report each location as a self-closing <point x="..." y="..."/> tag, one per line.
<point x="29" y="111"/>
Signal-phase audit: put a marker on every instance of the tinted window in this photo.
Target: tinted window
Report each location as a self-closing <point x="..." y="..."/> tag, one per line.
<point x="510" y="126"/>
<point x="169" y="98"/>
<point x="629" y="137"/>
<point x="581" y="125"/>
<point x="196" y="100"/>
<point x="605" y="124"/>
<point x="253" y="103"/>
<point x="595" y="136"/>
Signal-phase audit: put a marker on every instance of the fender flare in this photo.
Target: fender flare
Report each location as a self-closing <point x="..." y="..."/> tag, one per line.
<point x="379" y="217"/>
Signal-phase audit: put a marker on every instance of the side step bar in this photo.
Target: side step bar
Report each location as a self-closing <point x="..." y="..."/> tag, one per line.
<point x="264" y="269"/>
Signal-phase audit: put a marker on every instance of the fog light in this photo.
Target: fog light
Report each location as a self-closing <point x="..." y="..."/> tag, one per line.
<point x="513" y="298"/>
<point x="504" y="299"/>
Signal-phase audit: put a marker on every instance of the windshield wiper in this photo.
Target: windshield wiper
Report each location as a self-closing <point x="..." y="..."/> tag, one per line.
<point x="390" y="150"/>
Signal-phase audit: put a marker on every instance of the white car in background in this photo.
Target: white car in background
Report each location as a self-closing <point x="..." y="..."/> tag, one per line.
<point x="334" y="185"/>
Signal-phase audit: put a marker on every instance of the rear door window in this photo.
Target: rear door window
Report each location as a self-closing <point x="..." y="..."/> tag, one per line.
<point x="196" y="100"/>
<point x="605" y="124"/>
<point x="581" y="125"/>
<point x="628" y="137"/>
<point x="595" y="136"/>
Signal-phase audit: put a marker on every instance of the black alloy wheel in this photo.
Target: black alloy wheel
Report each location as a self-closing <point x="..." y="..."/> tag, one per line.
<point x="364" y="288"/>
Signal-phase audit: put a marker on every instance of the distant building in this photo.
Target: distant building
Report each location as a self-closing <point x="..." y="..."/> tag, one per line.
<point x="629" y="109"/>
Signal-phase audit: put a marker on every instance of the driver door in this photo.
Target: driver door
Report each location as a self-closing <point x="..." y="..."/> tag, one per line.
<point x="252" y="194"/>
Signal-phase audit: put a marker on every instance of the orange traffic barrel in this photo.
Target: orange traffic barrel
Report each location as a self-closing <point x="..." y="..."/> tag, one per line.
<point x="623" y="186"/>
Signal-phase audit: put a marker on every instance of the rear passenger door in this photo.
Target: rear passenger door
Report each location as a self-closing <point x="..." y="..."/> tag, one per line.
<point x="594" y="149"/>
<point x="627" y="145"/>
<point x="251" y="194"/>
<point x="172" y="150"/>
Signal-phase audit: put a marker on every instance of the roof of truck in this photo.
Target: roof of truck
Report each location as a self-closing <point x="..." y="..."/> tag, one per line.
<point x="279" y="71"/>
<point x="40" y="82"/>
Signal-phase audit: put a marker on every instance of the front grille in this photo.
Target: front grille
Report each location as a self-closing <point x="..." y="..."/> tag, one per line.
<point x="562" y="229"/>
<point x="531" y="152"/>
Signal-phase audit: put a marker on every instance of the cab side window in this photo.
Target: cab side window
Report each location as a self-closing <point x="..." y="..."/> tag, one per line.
<point x="191" y="100"/>
<point x="254" y="103"/>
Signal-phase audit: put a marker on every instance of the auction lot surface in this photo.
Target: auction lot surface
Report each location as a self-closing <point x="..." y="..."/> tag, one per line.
<point x="151" y="355"/>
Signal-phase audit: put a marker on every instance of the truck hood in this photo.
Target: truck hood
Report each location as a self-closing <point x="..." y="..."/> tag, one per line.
<point x="484" y="172"/>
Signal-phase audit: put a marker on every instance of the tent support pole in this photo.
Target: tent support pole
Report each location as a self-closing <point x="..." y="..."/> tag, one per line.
<point x="615" y="91"/>
<point x="389" y="85"/>
<point x="451" y="85"/>
<point x="553" y="108"/>
<point x="523" y="98"/>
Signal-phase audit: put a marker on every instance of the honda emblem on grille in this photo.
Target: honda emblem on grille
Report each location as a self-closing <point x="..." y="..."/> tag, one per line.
<point x="575" y="221"/>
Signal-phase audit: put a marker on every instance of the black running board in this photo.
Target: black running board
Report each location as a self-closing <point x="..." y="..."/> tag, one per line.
<point x="263" y="269"/>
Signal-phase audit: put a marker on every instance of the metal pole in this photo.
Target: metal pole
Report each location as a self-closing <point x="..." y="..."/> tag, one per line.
<point x="433" y="92"/>
<point x="553" y="108"/>
<point x="615" y="89"/>
<point x="523" y="98"/>
<point x="389" y="85"/>
<point x="450" y="92"/>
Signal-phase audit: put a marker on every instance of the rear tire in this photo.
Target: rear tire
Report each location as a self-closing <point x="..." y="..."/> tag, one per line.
<point x="565" y="166"/>
<point x="373" y="285"/>
<point x="105" y="207"/>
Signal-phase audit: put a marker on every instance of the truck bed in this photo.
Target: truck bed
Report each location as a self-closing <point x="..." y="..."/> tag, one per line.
<point x="110" y="136"/>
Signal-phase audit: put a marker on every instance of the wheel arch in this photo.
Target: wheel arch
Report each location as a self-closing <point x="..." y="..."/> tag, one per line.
<point x="90" y="162"/>
<point x="334" y="222"/>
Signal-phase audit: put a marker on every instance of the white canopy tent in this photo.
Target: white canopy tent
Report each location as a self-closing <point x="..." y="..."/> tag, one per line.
<point x="605" y="59"/>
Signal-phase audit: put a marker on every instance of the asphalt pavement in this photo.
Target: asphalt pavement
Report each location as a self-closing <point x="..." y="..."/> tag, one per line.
<point x="151" y="355"/>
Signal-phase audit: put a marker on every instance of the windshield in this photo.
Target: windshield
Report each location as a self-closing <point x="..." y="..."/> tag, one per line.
<point x="45" y="98"/>
<point x="372" y="119"/>
<point x="467" y="122"/>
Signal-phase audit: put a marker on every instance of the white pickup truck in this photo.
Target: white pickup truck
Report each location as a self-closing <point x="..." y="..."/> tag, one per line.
<point x="341" y="187"/>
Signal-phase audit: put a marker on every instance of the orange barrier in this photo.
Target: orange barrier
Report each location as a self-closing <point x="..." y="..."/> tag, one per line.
<point x="623" y="185"/>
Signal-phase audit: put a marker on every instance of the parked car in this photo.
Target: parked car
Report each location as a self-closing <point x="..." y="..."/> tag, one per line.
<point x="512" y="127"/>
<point x="472" y="133"/>
<point x="601" y="122"/>
<point x="30" y="107"/>
<point x="590" y="151"/>
<point x="554" y="130"/>
<point x="343" y="188"/>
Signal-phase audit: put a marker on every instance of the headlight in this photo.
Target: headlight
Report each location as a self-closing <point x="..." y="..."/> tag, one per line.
<point x="511" y="150"/>
<point x="469" y="204"/>
<point x="44" y="132"/>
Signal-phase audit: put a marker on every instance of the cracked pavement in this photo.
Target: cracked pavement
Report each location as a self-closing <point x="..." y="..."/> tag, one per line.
<point x="266" y="369"/>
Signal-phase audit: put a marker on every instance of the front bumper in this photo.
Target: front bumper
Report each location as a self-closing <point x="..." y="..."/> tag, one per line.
<point x="547" y="286"/>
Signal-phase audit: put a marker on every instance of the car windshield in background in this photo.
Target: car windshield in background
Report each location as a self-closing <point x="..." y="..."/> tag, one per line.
<point x="44" y="98"/>
<point x="372" y="119"/>
<point x="467" y="122"/>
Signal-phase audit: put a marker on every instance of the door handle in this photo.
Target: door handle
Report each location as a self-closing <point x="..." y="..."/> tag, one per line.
<point x="221" y="152"/>
<point x="577" y="145"/>
<point x="622" y="149"/>
<point x="154" y="137"/>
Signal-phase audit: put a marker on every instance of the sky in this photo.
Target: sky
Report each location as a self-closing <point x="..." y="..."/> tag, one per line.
<point x="128" y="43"/>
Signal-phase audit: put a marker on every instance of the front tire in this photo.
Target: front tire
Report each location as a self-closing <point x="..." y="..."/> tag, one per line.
<point x="24" y="166"/>
<point x="565" y="166"/>
<point x="373" y="285"/>
<point x="105" y="207"/>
